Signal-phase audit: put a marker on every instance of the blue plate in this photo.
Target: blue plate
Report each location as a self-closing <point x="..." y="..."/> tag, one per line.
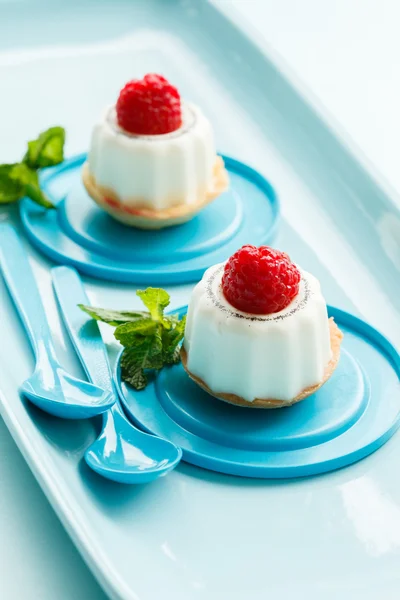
<point x="79" y="233"/>
<point x="352" y="415"/>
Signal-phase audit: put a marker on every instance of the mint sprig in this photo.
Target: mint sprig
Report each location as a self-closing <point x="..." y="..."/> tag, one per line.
<point x="18" y="180"/>
<point x="155" y="300"/>
<point x="114" y="317"/>
<point x="11" y="189"/>
<point x="47" y="150"/>
<point x="150" y="338"/>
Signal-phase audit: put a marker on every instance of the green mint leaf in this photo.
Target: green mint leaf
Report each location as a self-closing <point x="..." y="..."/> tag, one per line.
<point x="28" y="179"/>
<point x="113" y="317"/>
<point x="150" y="339"/>
<point x="47" y="150"/>
<point x="172" y="356"/>
<point x="21" y="179"/>
<point x="155" y="300"/>
<point x="171" y="339"/>
<point x="145" y="353"/>
<point x="11" y="190"/>
<point x="132" y="373"/>
<point x="127" y="332"/>
<point x="37" y="195"/>
<point x="170" y="321"/>
<point x="24" y="175"/>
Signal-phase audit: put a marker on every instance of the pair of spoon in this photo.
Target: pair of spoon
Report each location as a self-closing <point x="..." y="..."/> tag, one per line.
<point x="121" y="452"/>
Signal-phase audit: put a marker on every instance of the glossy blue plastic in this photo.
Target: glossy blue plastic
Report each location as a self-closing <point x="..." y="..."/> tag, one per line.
<point x="352" y="415"/>
<point x="121" y="453"/>
<point x="50" y="387"/>
<point x="81" y="234"/>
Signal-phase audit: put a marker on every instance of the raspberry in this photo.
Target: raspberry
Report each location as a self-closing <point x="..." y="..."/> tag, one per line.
<point x="149" y="106"/>
<point x="260" y="280"/>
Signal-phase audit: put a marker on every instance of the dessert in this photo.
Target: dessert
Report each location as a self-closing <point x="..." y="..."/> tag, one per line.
<point x="152" y="161"/>
<point x="257" y="331"/>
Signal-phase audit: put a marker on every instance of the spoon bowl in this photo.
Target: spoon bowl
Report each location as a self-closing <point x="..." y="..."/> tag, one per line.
<point x="124" y="454"/>
<point x="50" y="387"/>
<point x="63" y="395"/>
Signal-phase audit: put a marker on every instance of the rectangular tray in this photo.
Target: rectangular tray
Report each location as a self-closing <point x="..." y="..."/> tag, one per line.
<point x="195" y="534"/>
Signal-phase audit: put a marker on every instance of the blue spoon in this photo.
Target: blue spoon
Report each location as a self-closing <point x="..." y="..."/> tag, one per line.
<point x="50" y="387"/>
<point x="121" y="452"/>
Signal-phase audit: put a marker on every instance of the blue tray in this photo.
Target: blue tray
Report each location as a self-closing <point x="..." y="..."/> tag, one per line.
<point x="196" y="534"/>
<point x="79" y="233"/>
<point x="352" y="415"/>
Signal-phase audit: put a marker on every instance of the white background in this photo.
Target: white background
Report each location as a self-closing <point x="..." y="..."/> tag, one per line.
<point x="348" y="53"/>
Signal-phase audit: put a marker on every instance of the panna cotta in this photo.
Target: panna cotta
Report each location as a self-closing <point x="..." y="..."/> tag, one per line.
<point x="252" y="357"/>
<point x="152" y="161"/>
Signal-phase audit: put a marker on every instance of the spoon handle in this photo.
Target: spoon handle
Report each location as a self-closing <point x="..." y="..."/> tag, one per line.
<point x="20" y="281"/>
<point x="84" y="331"/>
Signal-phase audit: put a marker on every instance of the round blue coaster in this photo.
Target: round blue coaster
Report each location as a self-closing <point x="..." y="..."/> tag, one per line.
<point x="81" y="234"/>
<point x="352" y="415"/>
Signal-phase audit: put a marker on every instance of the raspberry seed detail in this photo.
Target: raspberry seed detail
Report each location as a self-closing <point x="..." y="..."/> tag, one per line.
<point x="149" y="106"/>
<point x="260" y="280"/>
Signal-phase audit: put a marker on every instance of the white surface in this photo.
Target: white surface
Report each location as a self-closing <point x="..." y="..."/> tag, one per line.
<point x="347" y="51"/>
<point x="272" y="357"/>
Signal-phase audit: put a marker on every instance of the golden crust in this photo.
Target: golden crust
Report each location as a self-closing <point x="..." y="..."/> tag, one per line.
<point x="336" y="340"/>
<point x="147" y="218"/>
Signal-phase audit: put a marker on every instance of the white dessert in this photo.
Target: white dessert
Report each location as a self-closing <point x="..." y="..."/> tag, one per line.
<point x="276" y="356"/>
<point x="165" y="178"/>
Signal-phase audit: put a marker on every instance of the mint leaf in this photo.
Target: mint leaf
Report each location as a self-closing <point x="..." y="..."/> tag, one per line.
<point x="11" y="190"/>
<point x="156" y="300"/>
<point x="171" y="339"/>
<point x="170" y="321"/>
<point x="18" y="180"/>
<point x="47" y="150"/>
<point x="28" y="179"/>
<point x="150" y="339"/>
<point x="127" y="332"/>
<point x="113" y="317"/>
<point x="21" y="179"/>
<point x="145" y="353"/>
<point x="172" y="356"/>
<point x="132" y="373"/>
<point x="37" y="195"/>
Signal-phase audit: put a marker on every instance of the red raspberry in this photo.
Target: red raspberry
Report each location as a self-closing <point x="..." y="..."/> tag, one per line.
<point x="149" y="106"/>
<point x="260" y="280"/>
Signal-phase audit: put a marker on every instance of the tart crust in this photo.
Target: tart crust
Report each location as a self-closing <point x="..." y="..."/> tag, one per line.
<point x="336" y="337"/>
<point x="146" y="218"/>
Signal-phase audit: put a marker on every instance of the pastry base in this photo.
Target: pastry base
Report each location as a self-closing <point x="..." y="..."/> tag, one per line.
<point x="136" y="214"/>
<point x="336" y="340"/>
